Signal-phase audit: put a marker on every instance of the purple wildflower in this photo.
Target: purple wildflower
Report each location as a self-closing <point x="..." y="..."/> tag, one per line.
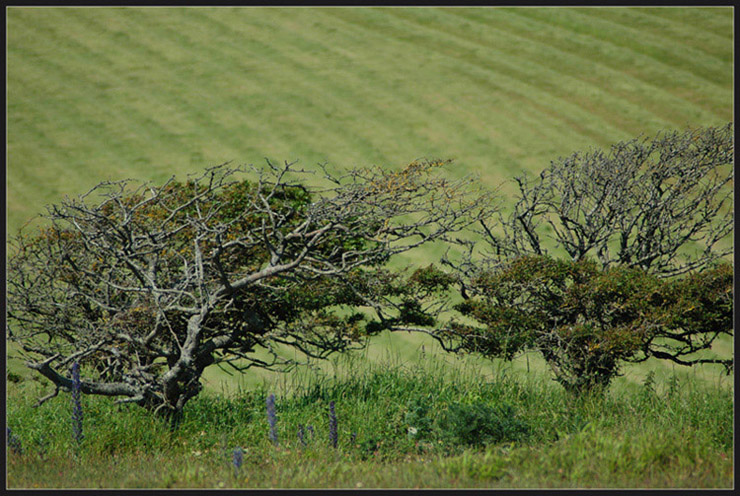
<point x="301" y="435"/>
<point x="353" y="437"/>
<point x="237" y="459"/>
<point x="272" y="418"/>
<point x="43" y="446"/>
<point x="333" y="436"/>
<point x="14" y="443"/>
<point x="309" y="428"/>
<point x="76" y="403"/>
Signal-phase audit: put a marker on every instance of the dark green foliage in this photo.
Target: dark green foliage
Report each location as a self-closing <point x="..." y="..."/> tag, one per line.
<point x="222" y="413"/>
<point x="410" y="302"/>
<point x="479" y="424"/>
<point x="420" y="417"/>
<point x="703" y="301"/>
<point x="13" y="377"/>
<point x="411" y="312"/>
<point x="431" y="279"/>
<point x="463" y="424"/>
<point x="586" y="321"/>
<point x="369" y="446"/>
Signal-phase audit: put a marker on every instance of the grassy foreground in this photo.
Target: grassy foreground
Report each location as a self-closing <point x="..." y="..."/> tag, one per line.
<point x="398" y="427"/>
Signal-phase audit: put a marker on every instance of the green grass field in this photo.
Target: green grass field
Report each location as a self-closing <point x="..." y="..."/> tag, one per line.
<point x="146" y="93"/>
<point x="97" y="93"/>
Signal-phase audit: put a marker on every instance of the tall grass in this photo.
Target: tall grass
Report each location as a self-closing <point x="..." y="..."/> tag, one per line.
<point x="667" y="434"/>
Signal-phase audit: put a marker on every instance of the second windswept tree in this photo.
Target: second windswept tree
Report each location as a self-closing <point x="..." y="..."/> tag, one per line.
<point x="607" y="256"/>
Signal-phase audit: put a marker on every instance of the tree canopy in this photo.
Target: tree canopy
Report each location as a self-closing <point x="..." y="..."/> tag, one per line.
<point x="146" y="286"/>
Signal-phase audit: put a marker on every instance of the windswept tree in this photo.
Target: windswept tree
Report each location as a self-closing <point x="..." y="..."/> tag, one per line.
<point x="146" y="286"/>
<point x="606" y="257"/>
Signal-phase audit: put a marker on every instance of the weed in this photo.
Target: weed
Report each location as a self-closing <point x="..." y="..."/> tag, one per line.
<point x="471" y="431"/>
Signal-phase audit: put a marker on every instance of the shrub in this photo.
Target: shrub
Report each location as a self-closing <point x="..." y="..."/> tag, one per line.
<point x="480" y="424"/>
<point x="419" y="419"/>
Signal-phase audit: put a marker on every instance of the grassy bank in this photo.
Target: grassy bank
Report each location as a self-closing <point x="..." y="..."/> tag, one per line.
<point x="398" y="426"/>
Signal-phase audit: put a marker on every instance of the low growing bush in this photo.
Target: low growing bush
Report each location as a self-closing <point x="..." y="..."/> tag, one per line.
<point x="480" y="424"/>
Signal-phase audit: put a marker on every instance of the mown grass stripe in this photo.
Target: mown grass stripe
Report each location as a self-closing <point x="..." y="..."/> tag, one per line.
<point x="41" y="107"/>
<point x="201" y="81"/>
<point x="409" y="102"/>
<point x="196" y="111"/>
<point x="581" y="22"/>
<point x="562" y="88"/>
<point x="546" y="46"/>
<point x="713" y="44"/>
<point x="715" y="20"/>
<point x="101" y="129"/>
<point x="524" y="76"/>
<point x="361" y="75"/>
<point x="90" y="85"/>
<point x="199" y="164"/>
<point x="296" y="92"/>
<point x="387" y="96"/>
<point x="571" y="78"/>
<point x="459" y="68"/>
<point x="473" y="125"/>
<point x="653" y="29"/>
<point x="644" y="67"/>
<point x="335" y="96"/>
<point x="417" y="95"/>
<point x="680" y="84"/>
<point x="304" y="92"/>
<point x="660" y="47"/>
